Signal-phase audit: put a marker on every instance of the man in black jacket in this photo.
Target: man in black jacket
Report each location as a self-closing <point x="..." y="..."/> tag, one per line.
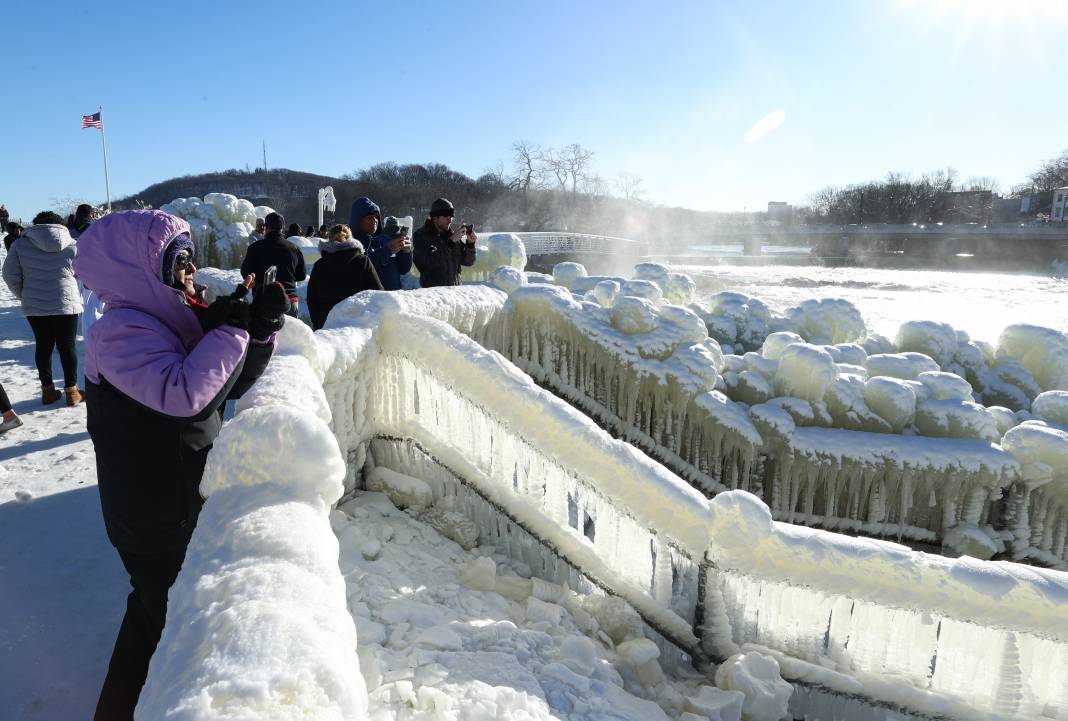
<point x="439" y="250"/>
<point x="276" y="250"/>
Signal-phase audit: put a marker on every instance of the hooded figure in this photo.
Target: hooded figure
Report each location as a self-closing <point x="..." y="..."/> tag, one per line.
<point x="159" y="366"/>
<point x="342" y="271"/>
<point x="39" y="270"/>
<point x="391" y="253"/>
<point x="276" y="250"/>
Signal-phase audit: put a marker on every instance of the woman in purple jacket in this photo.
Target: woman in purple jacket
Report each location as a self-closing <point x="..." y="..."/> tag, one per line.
<point x="160" y="364"/>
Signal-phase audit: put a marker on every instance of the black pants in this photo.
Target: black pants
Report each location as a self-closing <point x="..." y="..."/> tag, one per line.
<point x="146" y="609"/>
<point x="5" y="403"/>
<point x="51" y="331"/>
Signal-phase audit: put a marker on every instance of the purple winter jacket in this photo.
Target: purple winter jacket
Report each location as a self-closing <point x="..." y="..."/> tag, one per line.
<point x="155" y="383"/>
<point x="149" y="344"/>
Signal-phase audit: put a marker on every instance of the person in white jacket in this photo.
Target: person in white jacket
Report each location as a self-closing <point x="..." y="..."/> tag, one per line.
<point x="39" y="270"/>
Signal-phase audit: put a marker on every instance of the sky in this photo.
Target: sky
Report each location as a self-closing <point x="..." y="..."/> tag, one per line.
<point x="715" y="105"/>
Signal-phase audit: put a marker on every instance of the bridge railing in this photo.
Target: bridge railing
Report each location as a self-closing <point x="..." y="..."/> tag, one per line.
<point x="559" y="243"/>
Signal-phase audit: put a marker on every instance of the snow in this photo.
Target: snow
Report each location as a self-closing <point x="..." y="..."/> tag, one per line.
<point x="828" y="320"/>
<point x="945" y="386"/>
<point x="220" y="224"/>
<point x="507" y="278"/>
<point x="805" y="371"/>
<point x="937" y="340"/>
<point x="907" y="366"/>
<point x="1042" y="351"/>
<point x="1052" y="406"/>
<point x="776" y="343"/>
<point x="633" y="315"/>
<point x="756" y="677"/>
<point x="956" y="419"/>
<point x="566" y="274"/>
<point x="893" y="400"/>
<point x="494" y="252"/>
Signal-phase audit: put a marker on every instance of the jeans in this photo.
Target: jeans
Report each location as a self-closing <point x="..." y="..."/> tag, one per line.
<point x="5" y="403"/>
<point x="50" y="332"/>
<point x="151" y="576"/>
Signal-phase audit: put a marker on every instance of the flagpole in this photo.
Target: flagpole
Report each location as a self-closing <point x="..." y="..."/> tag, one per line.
<point x="104" y="142"/>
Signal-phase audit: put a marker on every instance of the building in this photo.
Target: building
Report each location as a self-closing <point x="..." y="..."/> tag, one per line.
<point x="780" y="212"/>
<point x="1059" y="210"/>
<point x="968" y="206"/>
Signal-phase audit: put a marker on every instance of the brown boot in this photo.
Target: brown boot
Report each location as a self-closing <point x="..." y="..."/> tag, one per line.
<point x="49" y="394"/>
<point x="74" y="396"/>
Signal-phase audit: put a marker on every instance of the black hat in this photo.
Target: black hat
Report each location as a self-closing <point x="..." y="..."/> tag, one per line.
<point x="442" y="206"/>
<point x="274" y="221"/>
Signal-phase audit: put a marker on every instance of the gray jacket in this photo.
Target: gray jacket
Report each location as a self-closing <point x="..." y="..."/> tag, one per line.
<point x="39" y="270"/>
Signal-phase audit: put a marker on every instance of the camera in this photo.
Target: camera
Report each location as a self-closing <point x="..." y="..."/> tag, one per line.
<point x="403" y="232"/>
<point x="468" y="228"/>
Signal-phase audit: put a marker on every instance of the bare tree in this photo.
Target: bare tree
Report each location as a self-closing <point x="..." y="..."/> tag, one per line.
<point x="577" y="161"/>
<point x="981" y="182"/>
<point x="629" y="186"/>
<point x="527" y="164"/>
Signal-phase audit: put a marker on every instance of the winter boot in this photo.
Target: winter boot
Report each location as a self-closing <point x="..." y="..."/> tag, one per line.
<point x="49" y="394"/>
<point x="74" y="396"/>
<point x="8" y="424"/>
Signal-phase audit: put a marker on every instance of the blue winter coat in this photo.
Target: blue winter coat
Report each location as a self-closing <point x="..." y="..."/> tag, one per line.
<point x="390" y="266"/>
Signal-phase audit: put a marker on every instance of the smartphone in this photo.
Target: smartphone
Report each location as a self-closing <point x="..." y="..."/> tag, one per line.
<point x="268" y="280"/>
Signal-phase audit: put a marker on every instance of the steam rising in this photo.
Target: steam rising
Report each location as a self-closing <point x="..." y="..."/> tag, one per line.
<point x="765" y="125"/>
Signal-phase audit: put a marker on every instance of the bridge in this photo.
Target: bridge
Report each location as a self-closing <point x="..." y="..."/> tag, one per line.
<point x="544" y="250"/>
<point x="1013" y="244"/>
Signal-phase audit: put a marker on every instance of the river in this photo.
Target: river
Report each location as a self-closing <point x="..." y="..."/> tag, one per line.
<point x="979" y="303"/>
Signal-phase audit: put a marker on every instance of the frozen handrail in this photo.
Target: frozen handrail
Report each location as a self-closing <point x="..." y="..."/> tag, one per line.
<point x="562" y="243"/>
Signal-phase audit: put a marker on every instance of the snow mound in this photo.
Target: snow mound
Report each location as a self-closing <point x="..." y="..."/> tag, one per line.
<point x="956" y="419"/>
<point x="605" y="293"/>
<point x="945" y="386"/>
<point x="893" y="400"/>
<point x="1033" y="444"/>
<point x="776" y="343"/>
<point x="499" y="249"/>
<point x="643" y="289"/>
<point x="507" y="278"/>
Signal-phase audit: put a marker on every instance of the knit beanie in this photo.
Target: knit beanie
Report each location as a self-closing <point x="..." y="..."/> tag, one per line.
<point x="442" y="206"/>
<point x="170" y="254"/>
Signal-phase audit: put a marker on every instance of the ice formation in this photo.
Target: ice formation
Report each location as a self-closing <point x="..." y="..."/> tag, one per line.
<point x="220" y="225"/>
<point x="495" y="251"/>
<point x="828" y="320"/>
<point x="1042" y="351"/>
<point x="756" y="677"/>
<point x="408" y="394"/>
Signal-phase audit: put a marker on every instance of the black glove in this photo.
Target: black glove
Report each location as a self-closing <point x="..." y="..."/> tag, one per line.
<point x="268" y="312"/>
<point x="226" y="310"/>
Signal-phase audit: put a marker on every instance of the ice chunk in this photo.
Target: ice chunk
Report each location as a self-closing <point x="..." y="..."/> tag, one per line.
<point x="749" y="387"/>
<point x="500" y="249"/>
<point x="876" y="344"/>
<point x="679" y="289"/>
<point x="757" y="677"/>
<point x="507" y="278"/>
<point x="1052" y="407"/>
<point x="828" y="320"/>
<point x="1037" y="444"/>
<point x="851" y="353"/>
<point x="1004" y="418"/>
<point x="404" y="491"/>
<point x="1043" y="351"/>
<point x="566" y="274"/>
<point x="776" y="343"/>
<point x="800" y="410"/>
<point x="633" y="315"/>
<point x="615" y="616"/>
<point x="893" y="400"/>
<point x="937" y="340"/>
<point x="715" y="704"/>
<point x="605" y="293"/>
<point x="638" y="651"/>
<point x="643" y="289"/>
<point x="773" y="422"/>
<point x="451" y="524"/>
<point x="579" y="654"/>
<point x="845" y="402"/>
<point x="693" y="329"/>
<point x="956" y="419"/>
<point x="899" y="365"/>
<point x="805" y="371"/>
<point x="945" y="386"/>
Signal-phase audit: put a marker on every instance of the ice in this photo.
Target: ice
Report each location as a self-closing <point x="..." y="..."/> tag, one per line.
<point x="605" y="293"/>
<point x="404" y="491"/>
<point x="757" y="677"/>
<point x="805" y="371"/>
<point x="937" y="340"/>
<point x="945" y="386"/>
<point x="633" y="315"/>
<point x="714" y="704"/>
<point x="776" y="343"/>
<point x="956" y="419"/>
<point x="828" y="320"/>
<point x="646" y="289"/>
<point x="495" y="251"/>
<point x="220" y="225"/>
<point x="507" y="278"/>
<point x="1042" y="351"/>
<point x="893" y="400"/>
<point x="566" y="274"/>
<point x="1052" y="407"/>
<point x="906" y="366"/>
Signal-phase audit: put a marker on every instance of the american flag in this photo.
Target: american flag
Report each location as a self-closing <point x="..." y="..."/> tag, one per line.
<point x="92" y="121"/>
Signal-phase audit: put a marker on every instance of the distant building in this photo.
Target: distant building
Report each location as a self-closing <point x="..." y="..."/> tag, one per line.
<point x="1059" y="209"/>
<point x="780" y="212"/>
<point x="968" y="206"/>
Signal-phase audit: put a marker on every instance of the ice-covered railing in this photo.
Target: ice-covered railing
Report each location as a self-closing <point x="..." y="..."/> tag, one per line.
<point x="257" y="620"/>
<point x="565" y="243"/>
<point x="430" y="395"/>
<point x="949" y="638"/>
<point x="656" y="389"/>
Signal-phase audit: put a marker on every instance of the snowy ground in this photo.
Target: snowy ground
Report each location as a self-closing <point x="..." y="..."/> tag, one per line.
<point x="62" y="586"/>
<point x="435" y="646"/>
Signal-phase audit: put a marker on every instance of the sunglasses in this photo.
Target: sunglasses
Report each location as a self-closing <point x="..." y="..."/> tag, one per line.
<point x="182" y="261"/>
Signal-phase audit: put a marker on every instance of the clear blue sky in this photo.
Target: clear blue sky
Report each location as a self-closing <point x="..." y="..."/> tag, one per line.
<point x="665" y="90"/>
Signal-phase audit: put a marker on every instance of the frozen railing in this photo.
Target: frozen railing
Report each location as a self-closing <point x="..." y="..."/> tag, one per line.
<point x="865" y="619"/>
<point x="567" y="243"/>
<point x="950" y="638"/>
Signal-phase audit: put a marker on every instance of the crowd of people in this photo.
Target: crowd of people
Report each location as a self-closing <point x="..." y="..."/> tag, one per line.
<point x="161" y="362"/>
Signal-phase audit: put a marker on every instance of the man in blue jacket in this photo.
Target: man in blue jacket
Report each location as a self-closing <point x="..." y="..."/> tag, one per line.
<point x="390" y="253"/>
